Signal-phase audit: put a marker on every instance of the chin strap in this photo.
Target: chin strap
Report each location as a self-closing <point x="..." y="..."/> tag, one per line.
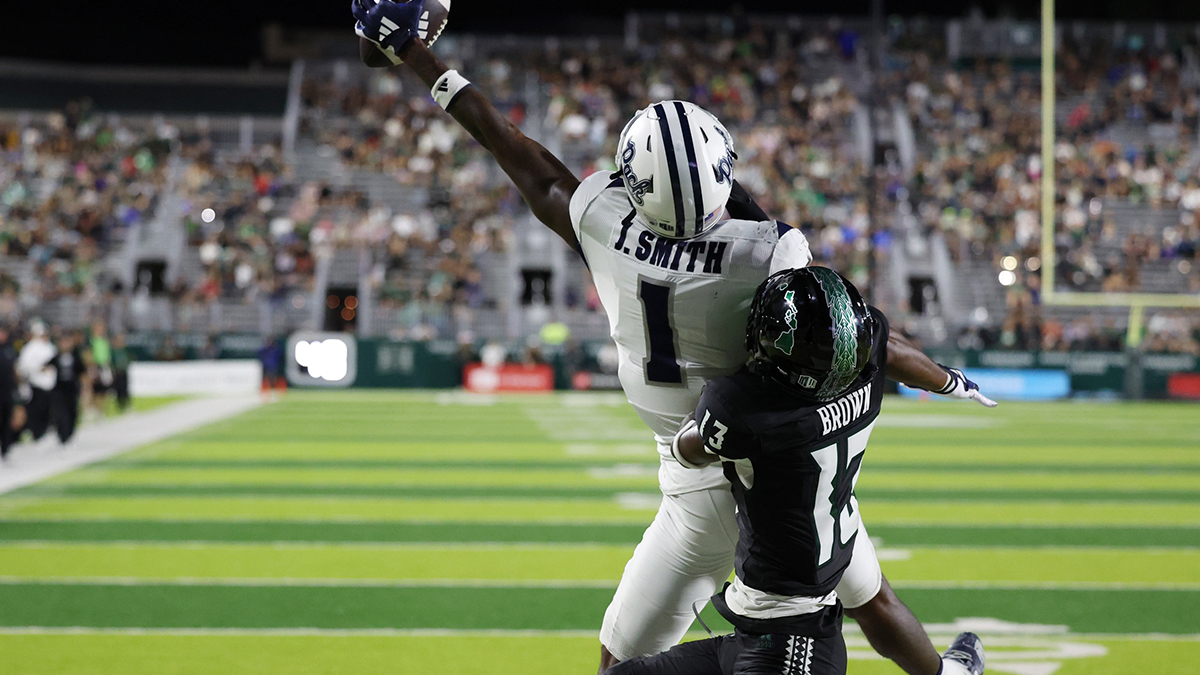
<point x="709" y="631"/>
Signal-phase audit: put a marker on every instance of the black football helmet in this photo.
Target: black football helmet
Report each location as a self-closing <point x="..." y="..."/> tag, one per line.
<point x="810" y="331"/>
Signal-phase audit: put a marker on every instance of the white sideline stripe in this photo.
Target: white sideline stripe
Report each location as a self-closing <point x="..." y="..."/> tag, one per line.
<point x="334" y="520"/>
<point x="452" y="632"/>
<point x="315" y="582"/>
<point x="328" y="582"/>
<point x="316" y="543"/>
<point x="324" y="546"/>
<point x="329" y="632"/>
<point x="1046" y="585"/>
<point x="30" y="463"/>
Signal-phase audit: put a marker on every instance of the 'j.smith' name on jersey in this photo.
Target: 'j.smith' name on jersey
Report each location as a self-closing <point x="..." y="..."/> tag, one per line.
<point x="845" y="410"/>
<point x="672" y="253"/>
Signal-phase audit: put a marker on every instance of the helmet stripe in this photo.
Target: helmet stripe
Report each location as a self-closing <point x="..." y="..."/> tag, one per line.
<point x="690" y="149"/>
<point x="845" y="337"/>
<point x="672" y="168"/>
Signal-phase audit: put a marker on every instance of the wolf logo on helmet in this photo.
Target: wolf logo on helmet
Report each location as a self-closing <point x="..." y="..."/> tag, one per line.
<point x="724" y="167"/>
<point x="637" y="188"/>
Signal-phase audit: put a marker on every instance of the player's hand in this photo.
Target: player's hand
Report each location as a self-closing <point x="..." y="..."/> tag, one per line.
<point x="961" y="388"/>
<point x="390" y="25"/>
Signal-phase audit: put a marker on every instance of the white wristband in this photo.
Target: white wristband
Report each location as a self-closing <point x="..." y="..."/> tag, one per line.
<point x="447" y="87"/>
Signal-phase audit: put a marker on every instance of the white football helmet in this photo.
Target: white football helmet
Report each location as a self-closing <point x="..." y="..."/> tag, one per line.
<point x="677" y="162"/>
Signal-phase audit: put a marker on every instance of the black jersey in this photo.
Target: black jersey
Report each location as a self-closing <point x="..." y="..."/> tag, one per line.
<point x="793" y="464"/>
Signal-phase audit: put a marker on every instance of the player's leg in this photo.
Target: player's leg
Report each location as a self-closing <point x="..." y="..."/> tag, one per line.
<point x="6" y="426"/>
<point x="894" y="631"/>
<point x="714" y="656"/>
<point x="683" y="558"/>
<point x="889" y="625"/>
<point x="38" y="413"/>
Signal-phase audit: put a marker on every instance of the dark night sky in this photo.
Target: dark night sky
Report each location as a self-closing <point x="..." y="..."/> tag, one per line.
<point x="227" y="32"/>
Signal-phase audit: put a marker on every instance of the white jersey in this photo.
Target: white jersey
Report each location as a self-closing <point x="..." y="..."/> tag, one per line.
<point x="33" y="363"/>
<point x="677" y="308"/>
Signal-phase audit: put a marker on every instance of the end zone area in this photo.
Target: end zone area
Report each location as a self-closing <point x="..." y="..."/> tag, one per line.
<point x="375" y="532"/>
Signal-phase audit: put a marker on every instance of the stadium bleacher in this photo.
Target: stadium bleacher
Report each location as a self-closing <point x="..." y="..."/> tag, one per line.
<point x="924" y="166"/>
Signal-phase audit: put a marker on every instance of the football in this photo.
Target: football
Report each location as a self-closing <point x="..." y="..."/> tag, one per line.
<point x="433" y="22"/>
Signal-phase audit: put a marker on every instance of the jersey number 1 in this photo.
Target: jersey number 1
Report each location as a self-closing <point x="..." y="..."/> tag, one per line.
<point x="661" y="364"/>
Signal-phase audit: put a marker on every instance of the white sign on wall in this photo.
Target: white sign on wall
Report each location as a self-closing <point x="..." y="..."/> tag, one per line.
<point x="178" y="378"/>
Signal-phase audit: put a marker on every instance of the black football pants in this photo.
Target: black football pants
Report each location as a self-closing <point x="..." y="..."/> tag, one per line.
<point x="37" y="413"/>
<point x="7" y="436"/>
<point x="64" y="411"/>
<point x="743" y="654"/>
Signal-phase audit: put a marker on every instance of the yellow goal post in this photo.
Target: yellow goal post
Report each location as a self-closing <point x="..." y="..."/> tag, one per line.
<point x="1136" y="302"/>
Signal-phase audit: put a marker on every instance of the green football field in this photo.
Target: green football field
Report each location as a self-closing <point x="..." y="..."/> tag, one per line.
<point x="443" y="533"/>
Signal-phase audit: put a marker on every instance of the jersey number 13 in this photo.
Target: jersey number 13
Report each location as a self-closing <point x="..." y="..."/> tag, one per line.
<point x="835" y="512"/>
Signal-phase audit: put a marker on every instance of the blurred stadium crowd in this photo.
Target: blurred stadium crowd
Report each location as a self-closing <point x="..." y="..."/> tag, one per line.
<point x="73" y="185"/>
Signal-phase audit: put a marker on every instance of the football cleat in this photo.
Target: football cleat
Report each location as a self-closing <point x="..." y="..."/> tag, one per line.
<point x="967" y="649"/>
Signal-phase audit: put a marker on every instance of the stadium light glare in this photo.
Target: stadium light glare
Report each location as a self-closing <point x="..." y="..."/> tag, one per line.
<point x="1007" y="278"/>
<point x="1009" y="263"/>
<point x="208" y="215"/>
<point x="1033" y="264"/>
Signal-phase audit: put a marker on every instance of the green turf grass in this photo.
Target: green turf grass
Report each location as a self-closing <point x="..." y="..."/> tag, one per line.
<point x="562" y="562"/>
<point x="339" y="607"/>
<point x="1095" y="497"/>
<point x="469" y="491"/>
<point x="268" y="531"/>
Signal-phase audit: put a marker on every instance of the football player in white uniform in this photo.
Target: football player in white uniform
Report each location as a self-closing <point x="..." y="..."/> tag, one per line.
<point x="676" y="280"/>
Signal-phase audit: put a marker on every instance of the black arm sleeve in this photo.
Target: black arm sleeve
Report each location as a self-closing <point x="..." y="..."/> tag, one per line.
<point x="883" y="330"/>
<point x="741" y="205"/>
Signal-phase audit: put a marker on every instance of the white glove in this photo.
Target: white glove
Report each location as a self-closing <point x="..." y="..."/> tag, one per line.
<point x="958" y="386"/>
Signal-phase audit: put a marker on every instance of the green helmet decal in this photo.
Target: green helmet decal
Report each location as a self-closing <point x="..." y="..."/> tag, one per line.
<point x="787" y="339"/>
<point x="845" y="341"/>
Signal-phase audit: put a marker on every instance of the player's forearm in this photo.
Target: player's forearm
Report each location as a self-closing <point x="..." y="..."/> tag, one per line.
<point x="544" y="182"/>
<point x="909" y="365"/>
<point x="689" y="448"/>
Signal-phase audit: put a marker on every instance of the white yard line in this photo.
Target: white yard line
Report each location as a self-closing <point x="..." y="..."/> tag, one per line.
<point x="335" y="582"/>
<point x="853" y="637"/>
<point x="311" y="581"/>
<point x="32" y="462"/>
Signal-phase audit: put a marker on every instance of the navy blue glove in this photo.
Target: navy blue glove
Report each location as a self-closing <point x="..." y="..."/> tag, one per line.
<point x="960" y="387"/>
<point x="390" y="25"/>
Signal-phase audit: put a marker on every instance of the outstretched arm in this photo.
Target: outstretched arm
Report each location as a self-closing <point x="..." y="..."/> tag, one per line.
<point x="542" y="179"/>
<point x="909" y="365"/>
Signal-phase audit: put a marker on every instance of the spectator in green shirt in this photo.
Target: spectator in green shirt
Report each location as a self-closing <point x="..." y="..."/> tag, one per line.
<point x="101" y="367"/>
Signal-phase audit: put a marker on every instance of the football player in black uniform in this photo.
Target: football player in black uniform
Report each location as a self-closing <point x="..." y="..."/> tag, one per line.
<point x="791" y="429"/>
